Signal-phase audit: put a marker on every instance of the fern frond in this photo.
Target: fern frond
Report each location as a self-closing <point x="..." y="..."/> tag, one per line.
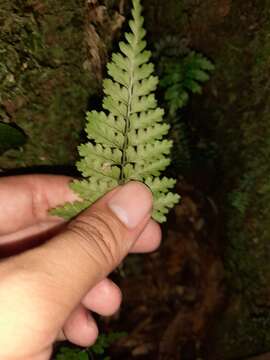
<point x="140" y="171"/>
<point x="147" y="135"/>
<point x="146" y="119"/>
<point x="146" y="86"/>
<point x="98" y="152"/>
<point x="69" y="210"/>
<point x="162" y="204"/>
<point x="92" y="188"/>
<point x="152" y="151"/>
<point x="159" y="185"/>
<point x="126" y="139"/>
<point x="184" y="77"/>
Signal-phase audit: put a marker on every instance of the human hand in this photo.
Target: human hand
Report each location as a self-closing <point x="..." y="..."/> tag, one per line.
<point x="46" y="291"/>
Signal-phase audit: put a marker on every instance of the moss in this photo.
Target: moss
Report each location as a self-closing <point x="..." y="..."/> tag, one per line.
<point x="165" y="18"/>
<point x="44" y="88"/>
<point x="235" y="114"/>
<point x="240" y="333"/>
<point x="52" y="56"/>
<point x="248" y="230"/>
<point x="243" y="129"/>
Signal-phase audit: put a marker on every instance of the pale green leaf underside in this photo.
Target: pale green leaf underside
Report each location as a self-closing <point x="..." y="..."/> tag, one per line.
<point x="126" y="140"/>
<point x="69" y="210"/>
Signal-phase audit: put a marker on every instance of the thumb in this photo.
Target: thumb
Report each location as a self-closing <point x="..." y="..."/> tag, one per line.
<point x="97" y="241"/>
<point x="54" y="277"/>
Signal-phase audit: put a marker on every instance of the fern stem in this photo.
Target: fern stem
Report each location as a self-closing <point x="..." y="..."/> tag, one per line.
<point x="122" y="179"/>
<point x="127" y="128"/>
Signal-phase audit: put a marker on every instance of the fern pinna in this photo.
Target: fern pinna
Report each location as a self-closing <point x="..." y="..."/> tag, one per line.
<point x="126" y="139"/>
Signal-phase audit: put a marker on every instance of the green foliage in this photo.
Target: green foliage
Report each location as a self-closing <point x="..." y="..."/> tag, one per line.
<point x="104" y="341"/>
<point x="240" y="201"/>
<point x="182" y="73"/>
<point x="126" y="139"/>
<point x="97" y="351"/>
<point x="184" y="77"/>
<point x="239" y="198"/>
<point x="68" y="353"/>
<point x="10" y="137"/>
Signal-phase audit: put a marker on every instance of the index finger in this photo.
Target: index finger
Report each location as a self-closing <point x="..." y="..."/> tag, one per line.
<point x="26" y="199"/>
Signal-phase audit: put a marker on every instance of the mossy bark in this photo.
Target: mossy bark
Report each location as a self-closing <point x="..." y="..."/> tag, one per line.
<point x="51" y="56"/>
<point x="44" y="88"/>
<point x="234" y="113"/>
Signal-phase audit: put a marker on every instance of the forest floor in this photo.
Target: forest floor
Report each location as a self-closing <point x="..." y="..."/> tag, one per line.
<point x="170" y="296"/>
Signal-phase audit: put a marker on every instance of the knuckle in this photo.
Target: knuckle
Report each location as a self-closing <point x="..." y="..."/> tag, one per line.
<point x="39" y="205"/>
<point x="100" y="237"/>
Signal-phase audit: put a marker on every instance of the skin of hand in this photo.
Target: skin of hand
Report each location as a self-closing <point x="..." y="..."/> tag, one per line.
<point x="53" y="273"/>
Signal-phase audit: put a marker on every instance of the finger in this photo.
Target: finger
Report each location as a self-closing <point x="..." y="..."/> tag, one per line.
<point x="27" y="199"/>
<point x="96" y="242"/>
<point x="53" y="278"/>
<point x="149" y="239"/>
<point x="81" y="328"/>
<point x="22" y="240"/>
<point x="29" y="232"/>
<point x="35" y="235"/>
<point x="104" y="299"/>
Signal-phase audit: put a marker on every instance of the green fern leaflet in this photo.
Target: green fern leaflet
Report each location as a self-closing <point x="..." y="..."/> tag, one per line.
<point x="183" y="77"/>
<point x="126" y="139"/>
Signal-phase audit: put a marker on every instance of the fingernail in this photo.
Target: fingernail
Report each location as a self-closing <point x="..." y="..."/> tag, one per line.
<point x="131" y="204"/>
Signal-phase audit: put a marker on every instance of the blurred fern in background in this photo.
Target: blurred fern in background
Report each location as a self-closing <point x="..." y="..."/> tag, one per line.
<point x="182" y="72"/>
<point x="180" y="79"/>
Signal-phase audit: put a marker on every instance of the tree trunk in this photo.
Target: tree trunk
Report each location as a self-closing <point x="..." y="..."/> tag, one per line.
<point x="234" y="113"/>
<point x="52" y="54"/>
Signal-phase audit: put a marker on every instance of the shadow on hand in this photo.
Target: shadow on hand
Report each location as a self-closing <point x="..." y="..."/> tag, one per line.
<point x="25" y="241"/>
